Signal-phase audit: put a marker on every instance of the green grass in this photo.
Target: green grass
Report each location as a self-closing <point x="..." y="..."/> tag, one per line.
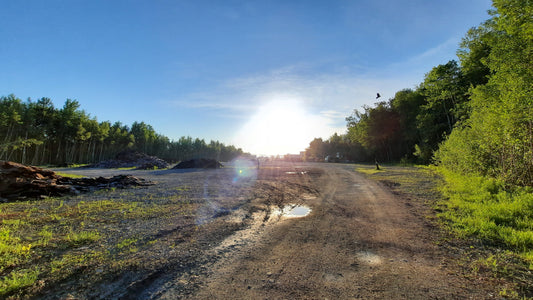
<point x="484" y="208"/>
<point x="127" y="244"/>
<point x="18" y="279"/>
<point x="83" y="237"/>
<point x="127" y="168"/>
<point x="69" y="175"/>
<point x="369" y="171"/>
<point x="420" y="181"/>
<point x="47" y="241"/>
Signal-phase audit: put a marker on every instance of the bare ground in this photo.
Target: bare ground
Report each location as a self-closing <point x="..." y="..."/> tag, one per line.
<point x="360" y="241"/>
<point x="225" y="240"/>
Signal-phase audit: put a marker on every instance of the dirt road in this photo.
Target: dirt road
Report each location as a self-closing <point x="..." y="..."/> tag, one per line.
<point x="359" y="241"/>
<point x="225" y="234"/>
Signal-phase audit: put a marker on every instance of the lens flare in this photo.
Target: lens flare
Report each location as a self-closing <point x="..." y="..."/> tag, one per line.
<point x="245" y="169"/>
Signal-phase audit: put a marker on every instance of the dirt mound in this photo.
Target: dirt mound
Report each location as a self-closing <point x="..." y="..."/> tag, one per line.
<point x="200" y="163"/>
<point x="18" y="182"/>
<point x="130" y="158"/>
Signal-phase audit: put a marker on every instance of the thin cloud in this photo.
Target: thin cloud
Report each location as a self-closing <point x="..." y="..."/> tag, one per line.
<point x="422" y="63"/>
<point x="333" y="96"/>
<point x="326" y="97"/>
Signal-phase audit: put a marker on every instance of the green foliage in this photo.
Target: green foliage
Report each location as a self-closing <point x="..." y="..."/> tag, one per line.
<point x="37" y="133"/>
<point x="445" y="103"/>
<point x="497" y="140"/>
<point x="378" y="130"/>
<point x="408" y="103"/>
<point x="337" y="148"/>
<point x="473" y="53"/>
<point x="473" y="118"/>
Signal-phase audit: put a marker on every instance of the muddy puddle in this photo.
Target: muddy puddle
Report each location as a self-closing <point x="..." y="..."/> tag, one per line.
<point x="293" y="211"/>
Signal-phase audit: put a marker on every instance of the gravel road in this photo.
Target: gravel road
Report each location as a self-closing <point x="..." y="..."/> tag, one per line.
<point x="359" y="242"/>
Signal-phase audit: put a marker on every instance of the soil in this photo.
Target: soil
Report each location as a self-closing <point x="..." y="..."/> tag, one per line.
<point x="20" y="182"/>
<point x="131" y="158"/>
<point x="360" y="241"/>
<point x="202" y="163"/>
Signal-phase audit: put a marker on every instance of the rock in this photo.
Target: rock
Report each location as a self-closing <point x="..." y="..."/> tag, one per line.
<point x="18" y="182"/>
<point x="200" y="163"/>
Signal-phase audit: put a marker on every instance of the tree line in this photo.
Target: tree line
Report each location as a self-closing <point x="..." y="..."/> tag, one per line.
<point x="472" y="116"/>
<point x="37" y="133"/>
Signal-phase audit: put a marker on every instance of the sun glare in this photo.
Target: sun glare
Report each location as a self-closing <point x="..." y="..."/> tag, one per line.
<point x="281" y="126"/>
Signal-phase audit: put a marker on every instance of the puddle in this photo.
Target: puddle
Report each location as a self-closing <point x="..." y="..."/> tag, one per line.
<point x="293" y="211"/>
<point x="296" y="173"/>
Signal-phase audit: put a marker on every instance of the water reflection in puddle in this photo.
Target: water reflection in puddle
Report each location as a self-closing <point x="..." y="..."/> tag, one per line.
<point x="293" y="211"/>
<point x="296" y="173"/>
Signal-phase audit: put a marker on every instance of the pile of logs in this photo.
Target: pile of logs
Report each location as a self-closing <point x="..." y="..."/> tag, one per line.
<point x="19" y="182"/>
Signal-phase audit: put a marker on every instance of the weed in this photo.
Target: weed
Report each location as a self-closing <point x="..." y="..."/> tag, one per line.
<point x="55" y="217"/>
<point x="81" y="238"/>
<point x="509" y="294"/>
<point x="14" y="223"/>
<point x="46" y="236"/>
<point x="17" y="279"/>
<point x="13" y="251"/>
<point x="80" y="205"/>
<point x="71" y="261"/>
<point x="127" y="243"/>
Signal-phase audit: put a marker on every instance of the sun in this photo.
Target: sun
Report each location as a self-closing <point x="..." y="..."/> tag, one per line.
<point x="280" y="126"/>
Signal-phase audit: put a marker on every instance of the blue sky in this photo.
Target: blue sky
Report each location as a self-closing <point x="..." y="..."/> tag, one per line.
<point x="267" y="76"/>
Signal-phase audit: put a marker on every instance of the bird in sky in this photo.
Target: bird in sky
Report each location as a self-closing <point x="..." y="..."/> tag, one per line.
<point x="378" y="95"/>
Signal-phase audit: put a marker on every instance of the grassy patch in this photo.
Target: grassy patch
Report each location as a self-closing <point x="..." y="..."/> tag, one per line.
<point x="419" y="181"/>
<point x="81" y="238"/>
<point x="127" y="168"/>
<point x="51" y="241"/>
<point x="69" y="175"/>
<point x="369" y="171"/>
<point x="485" y="209"/>
<point x="17" y="279"/>
<point x="127" y="245"/>
<point x="494" y="225"/>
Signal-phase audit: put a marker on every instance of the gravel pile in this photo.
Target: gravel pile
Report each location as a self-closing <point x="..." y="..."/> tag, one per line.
<point x="200" y="163"/>
<point x="130" y="158"/>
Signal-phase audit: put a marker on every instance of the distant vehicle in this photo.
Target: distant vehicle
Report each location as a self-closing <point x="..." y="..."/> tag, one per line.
<point x="333" y="159"/>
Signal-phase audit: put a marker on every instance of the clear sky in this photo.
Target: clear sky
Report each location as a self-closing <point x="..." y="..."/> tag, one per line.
<point x="266" y="76"/>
